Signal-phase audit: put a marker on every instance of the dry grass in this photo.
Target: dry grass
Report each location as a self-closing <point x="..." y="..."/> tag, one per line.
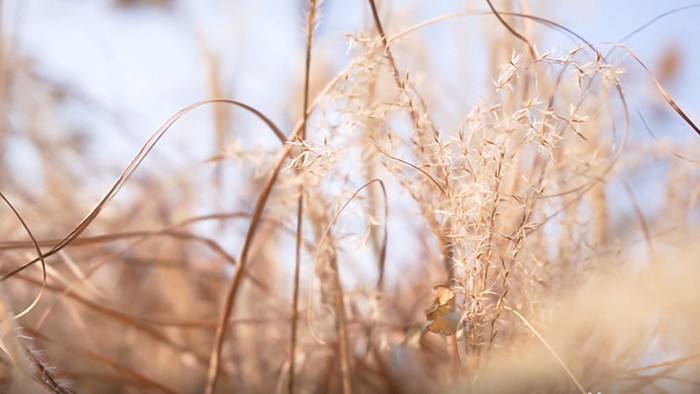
<point x="400" y="238"/>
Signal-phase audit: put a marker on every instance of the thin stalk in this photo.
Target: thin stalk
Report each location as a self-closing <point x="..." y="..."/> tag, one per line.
<point x="512" y="31"/>
<point x="310" y="17"/>
<point x="146" y="148"/>
<point x="234" y="284"/>
<point x="341" y="323"/>
<point x="549" y="348"/>
<point x="415" y="116"/>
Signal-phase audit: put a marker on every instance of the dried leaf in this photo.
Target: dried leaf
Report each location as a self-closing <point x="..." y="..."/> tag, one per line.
<point x="443" y="317"/>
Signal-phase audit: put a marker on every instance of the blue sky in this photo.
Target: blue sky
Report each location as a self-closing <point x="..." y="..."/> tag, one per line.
<point x="148" y="63"/>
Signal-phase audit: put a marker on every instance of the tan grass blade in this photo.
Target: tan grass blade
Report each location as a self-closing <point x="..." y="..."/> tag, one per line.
<point x="549" y="348"/>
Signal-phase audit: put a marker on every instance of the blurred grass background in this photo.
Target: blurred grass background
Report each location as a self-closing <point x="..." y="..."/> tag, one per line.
<point x="546" y="185"/>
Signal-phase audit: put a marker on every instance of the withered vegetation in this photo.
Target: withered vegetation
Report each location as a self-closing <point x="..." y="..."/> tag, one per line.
<point x="404" y="232"/>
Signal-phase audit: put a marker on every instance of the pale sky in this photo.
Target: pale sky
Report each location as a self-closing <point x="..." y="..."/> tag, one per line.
<point x="144" y="66"/>
<point x="148" y="63"/>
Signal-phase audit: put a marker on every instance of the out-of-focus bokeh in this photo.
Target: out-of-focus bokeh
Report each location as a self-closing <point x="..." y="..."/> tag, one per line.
<point x="537" y="199"/>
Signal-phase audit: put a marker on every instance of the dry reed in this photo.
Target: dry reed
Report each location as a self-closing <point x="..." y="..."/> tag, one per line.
<point x="399" y="240"/>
